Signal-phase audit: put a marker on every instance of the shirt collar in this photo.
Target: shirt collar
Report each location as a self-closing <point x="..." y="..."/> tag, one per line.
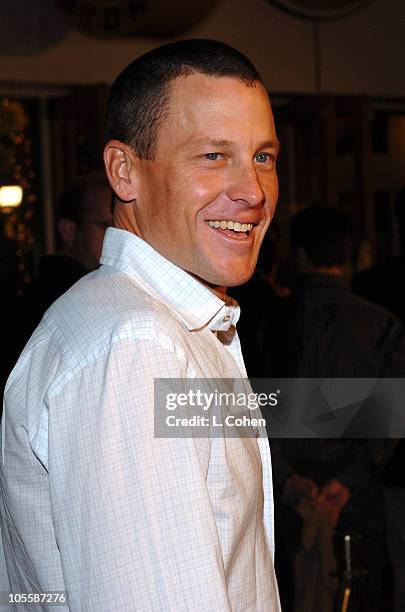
<point x="193" y="303"/>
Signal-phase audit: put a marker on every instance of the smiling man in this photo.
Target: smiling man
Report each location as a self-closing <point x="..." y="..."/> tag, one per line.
<point x="94" y="504"/>
<point x="207" y="191"/>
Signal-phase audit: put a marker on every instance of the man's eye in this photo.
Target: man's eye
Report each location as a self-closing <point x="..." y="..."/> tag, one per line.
<point x="212" y="156"/>
<point x="264" y="158"/>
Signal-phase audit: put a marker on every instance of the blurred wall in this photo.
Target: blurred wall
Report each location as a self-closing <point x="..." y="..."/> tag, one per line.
<point x="361" y="54"/>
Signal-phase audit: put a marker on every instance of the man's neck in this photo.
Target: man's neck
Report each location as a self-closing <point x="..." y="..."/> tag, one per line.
<point x="218" y="291"/>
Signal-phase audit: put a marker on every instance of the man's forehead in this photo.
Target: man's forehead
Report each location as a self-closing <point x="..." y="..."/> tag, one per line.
<point x="208" y="105"/>
<point x="198" y="85"/>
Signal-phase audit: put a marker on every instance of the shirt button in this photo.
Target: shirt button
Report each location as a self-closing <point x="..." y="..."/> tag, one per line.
<point x="226" y="319"/>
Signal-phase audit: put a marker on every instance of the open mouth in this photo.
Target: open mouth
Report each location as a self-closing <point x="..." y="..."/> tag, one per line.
<point x="233" y="229"/>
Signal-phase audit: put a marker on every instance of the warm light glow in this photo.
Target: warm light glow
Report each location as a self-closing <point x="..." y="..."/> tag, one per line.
<point x="10" y="196"/>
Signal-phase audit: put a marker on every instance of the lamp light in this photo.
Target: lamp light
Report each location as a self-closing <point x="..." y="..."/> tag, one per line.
<point x="10" y="196"/>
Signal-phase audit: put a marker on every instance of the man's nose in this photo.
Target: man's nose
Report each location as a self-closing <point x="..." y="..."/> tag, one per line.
<point x="246" y="186"/>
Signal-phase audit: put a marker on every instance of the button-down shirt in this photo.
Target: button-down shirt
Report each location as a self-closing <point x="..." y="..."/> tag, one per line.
<point x="93" y="503"/>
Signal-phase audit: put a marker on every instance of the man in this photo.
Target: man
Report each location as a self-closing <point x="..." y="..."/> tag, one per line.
<point x="323" y="331"/>
<point x="125" y="520"/>
<point x="83" y="216"/>
<point x="383" y="284"/>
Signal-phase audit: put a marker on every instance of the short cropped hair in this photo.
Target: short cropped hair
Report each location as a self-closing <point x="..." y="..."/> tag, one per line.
<point x="73" y="201"/>
<point x="325" y="234"/>
<point x="139" y="99"/>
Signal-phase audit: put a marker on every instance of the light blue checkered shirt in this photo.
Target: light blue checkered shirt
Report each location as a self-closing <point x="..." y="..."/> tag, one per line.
<point x="91" y="502"/>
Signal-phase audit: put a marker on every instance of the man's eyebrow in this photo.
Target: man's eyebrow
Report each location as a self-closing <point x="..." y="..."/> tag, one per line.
<point x="269" y="144"/>
<point x="214" y="142"/>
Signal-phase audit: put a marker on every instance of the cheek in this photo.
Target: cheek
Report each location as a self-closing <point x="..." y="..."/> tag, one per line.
<point x="205" y="186"/>
<point x="190" y="192"/>
<point x="271" y="190"/>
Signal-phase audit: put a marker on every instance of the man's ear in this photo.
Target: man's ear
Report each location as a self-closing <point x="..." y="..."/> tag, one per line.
<point x="121" y="168"/>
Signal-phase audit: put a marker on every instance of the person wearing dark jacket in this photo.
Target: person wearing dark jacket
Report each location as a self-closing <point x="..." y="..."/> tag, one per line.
<point x="324" y="331"/>
<point x="384" y="285"/>
<point x="83" y="216"/>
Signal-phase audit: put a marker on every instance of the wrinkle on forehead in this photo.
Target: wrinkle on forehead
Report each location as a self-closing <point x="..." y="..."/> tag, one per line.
<point x="202" y="106"/>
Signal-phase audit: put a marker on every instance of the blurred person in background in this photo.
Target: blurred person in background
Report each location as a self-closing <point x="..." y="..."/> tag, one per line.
<point x="324" y="331"/>
<point x="83" y="217"/>
<point x="384" y="284"/>
<point x="84" y="214"/>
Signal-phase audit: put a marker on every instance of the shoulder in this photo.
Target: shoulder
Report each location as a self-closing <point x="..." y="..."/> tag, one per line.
<point x="368" y="312"/>
<point x="342" y="300"/>
<point x="380" y="274"/>
<point x="103" y="308"/>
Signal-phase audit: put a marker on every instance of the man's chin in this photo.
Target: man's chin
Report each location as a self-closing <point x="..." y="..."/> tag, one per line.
<point x="233" y="279"/>
<point x="238" y="275"/>
<point x="240" y="280"/>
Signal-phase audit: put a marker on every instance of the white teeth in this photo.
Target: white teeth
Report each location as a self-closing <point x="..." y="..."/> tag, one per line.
<point x="233" y="225"/>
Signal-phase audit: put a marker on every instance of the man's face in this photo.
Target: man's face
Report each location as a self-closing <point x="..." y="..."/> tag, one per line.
<point x="206" y="200"/>
<point x="89" y="236"/>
